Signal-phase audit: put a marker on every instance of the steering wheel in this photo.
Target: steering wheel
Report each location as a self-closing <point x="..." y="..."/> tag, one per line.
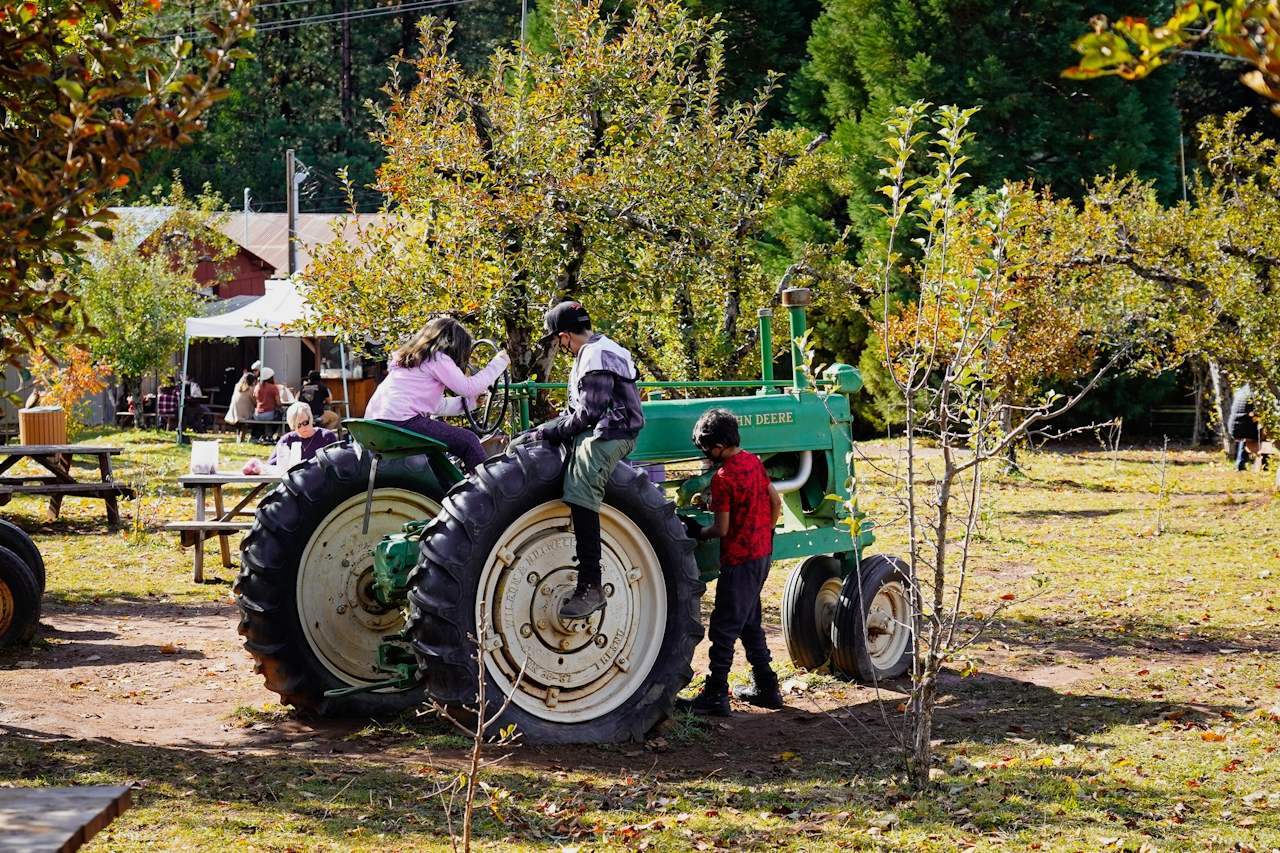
<point x="488" y="419"/>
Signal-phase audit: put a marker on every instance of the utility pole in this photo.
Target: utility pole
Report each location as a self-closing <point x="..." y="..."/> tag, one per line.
<point x="346" y="63"/>
<point x="246" y="217"/>
<point x="291" y="205"/>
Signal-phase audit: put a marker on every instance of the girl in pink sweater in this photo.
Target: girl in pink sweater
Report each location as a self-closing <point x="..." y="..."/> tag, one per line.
<point x="420" y="372"/>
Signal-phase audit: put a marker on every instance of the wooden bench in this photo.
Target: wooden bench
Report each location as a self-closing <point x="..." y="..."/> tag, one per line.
<point x="195" y="532"/>
<point x="57" y="481"/>
<point x="223" y="522"/>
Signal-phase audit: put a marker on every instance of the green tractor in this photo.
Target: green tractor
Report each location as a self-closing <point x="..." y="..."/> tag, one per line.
<point x="373" y="571"/>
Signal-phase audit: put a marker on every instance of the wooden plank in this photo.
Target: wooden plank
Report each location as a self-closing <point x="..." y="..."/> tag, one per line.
<point x="209" y="526"/>
<point x="57" y="820"/>
<point x="227" y="478"/>
<point x="54" y="449"/>
<point x="96" y="490"/>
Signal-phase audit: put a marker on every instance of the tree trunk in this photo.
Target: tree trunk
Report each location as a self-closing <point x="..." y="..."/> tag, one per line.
<point x="1221" y="394"/>
<point x="407" y="32"/>
<point x="926" y="696"/>
<point x="1198" y="377"/>
<point x="1006" y="425"/>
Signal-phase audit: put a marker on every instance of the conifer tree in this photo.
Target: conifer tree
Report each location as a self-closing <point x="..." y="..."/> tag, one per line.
<point x="868" y="56"/>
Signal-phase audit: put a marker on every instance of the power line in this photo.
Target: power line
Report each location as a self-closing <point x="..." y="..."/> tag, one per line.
<point x="280" y="24"/>
<point x="335" y="17"/>
<point x="194" y="14"/>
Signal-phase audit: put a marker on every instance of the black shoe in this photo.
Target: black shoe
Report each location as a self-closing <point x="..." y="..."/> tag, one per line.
<point x="584" y="602"/>
<point x="764" y="693"/>
<point x="713" y="701"/>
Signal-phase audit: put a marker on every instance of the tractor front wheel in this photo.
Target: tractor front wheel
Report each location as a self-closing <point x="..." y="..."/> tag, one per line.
<point x="872" y="626"/>
<point x="19" y="599"/>
<point x="19" y="542"/>
<point x="808" y="603"/>
<point x="309" y="615"/>
<point x="496" y="565"/>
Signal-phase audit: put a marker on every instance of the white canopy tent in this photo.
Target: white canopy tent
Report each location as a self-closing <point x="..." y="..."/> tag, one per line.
<point x="263" y="318"/>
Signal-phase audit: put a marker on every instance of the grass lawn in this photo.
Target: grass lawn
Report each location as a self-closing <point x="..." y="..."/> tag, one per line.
<point x="1131" y="703"/>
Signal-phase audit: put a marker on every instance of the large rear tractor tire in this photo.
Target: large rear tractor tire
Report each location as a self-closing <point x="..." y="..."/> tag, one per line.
<point x="19" y="599"/>
<point x="502" y="549"/>
<point x="308" y="613"/>
<point x="19" y="542"/>
<point x="808" y="603"/>
<point x="871" y="628"/>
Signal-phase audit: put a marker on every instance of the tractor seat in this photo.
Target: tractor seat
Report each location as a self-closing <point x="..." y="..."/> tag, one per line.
<point x="390" y="442"/>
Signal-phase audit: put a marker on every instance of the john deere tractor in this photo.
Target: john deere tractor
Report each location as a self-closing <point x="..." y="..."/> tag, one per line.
<point x="373" y="571"/>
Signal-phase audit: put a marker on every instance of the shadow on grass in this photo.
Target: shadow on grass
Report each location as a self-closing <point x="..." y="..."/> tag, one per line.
<point x="1097" y="637"/>
<point x="280" y="795"/>
<point x="1065" y="513"/>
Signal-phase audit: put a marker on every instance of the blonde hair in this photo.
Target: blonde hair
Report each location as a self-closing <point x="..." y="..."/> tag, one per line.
<point x="443" y="334"/>
<point x="295" y="413"/>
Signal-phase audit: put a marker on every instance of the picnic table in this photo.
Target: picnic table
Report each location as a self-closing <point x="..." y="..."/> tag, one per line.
<point x="57" y="820"/>
<point x="224" y="522"/>
<point x="57" y="480"/>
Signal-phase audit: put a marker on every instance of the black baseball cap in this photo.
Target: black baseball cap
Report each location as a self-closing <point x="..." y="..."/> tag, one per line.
<point x="565" y="317"/>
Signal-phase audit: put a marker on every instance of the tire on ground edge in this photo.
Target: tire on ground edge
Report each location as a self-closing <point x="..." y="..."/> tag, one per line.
<point x="20" y="542"/>
<point x="871" y="629"/>
<point x="461" y="552"/>
<point x="808" y="601"/>
<point x="19" y="599"/>
<point x="318" y="502"/>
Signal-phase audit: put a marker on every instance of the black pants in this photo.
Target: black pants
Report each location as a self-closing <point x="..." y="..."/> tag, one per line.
<point x="736" y="616"/>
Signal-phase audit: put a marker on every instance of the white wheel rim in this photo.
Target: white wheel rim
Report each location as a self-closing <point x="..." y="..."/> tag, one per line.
<point x="578" y="670"/>
<point x="824" y="609"/>
<point x="342" y="621"/>
<point x="888" y="626"/>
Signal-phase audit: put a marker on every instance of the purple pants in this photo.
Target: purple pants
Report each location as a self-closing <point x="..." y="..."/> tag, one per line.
<point x="462" y="443"/>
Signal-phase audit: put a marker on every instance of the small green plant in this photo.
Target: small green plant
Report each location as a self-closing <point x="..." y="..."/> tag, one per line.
<point x="246" y="716"/>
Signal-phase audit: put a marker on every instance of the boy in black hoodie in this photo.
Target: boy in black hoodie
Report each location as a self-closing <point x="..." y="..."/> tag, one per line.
<point x="601" y="423"/>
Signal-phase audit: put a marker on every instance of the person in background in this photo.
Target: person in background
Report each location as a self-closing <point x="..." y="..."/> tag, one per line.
<point x="746" y="507"/>
<point x="167" y="404"/>
<point x="230" y="376"/>
<point x="302" y="431"/>
<point x="432" y="362"/>
<point x="1244" y="426"/>
<point x="315" y="393"/>
<point x="196" y="412"/>
<point x="267" y="396"/>
<point x="241" y="408"/>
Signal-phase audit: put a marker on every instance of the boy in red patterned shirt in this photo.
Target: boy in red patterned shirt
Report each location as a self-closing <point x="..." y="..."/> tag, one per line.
<point x="746" y="507"/>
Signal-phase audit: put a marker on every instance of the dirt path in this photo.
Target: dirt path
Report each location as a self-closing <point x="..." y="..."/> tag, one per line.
<point x="160" y="674"/>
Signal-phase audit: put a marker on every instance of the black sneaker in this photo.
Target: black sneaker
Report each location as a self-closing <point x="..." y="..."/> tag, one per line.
<point x="761" y="694"/>
<point x="583" y="602"/>
<point x="711" y="702"/>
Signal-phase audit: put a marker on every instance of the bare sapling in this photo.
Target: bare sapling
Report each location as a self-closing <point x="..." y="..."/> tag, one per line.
<point x="953" y="356"/>
<point x="1165" y="486"/>
<point x="469" y="781"/>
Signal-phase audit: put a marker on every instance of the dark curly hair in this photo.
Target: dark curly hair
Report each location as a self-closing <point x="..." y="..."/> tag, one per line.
<point x="716" y="426"/>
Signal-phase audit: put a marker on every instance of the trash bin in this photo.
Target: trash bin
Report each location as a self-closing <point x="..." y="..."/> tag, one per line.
<point x="42" y="425"/>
